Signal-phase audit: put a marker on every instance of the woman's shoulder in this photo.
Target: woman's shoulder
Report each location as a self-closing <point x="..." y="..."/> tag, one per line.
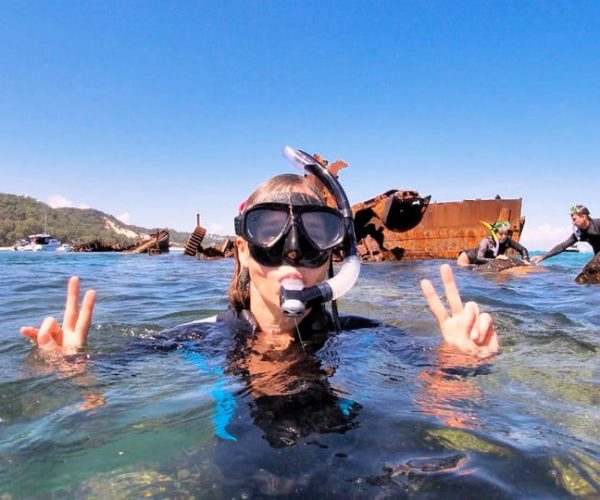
<point x="354" y="322"/>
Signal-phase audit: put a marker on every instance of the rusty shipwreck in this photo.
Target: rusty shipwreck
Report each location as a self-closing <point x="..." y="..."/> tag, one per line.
<point x="402" y="224"/>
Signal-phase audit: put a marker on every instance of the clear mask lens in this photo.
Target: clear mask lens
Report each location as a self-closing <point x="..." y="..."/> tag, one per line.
<point x="265" y="226"/>
<point x="323" y="227"/>
<point x="300" y="235"/>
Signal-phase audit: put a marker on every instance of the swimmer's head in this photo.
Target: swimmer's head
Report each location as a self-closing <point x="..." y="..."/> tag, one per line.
<point x="580" y="210"/>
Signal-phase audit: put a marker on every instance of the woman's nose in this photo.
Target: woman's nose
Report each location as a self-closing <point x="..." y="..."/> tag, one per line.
<point x="292" y="255"/>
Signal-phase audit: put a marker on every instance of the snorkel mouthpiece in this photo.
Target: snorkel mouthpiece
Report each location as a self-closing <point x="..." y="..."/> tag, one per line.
<point x="294" y="298"/>
<point x="290" y="297"/>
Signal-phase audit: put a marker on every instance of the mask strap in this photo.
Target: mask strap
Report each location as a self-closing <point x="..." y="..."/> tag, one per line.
<point x="291" y="208"/>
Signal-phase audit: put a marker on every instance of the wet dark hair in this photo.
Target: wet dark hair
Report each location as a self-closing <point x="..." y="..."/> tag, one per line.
<point x="239" y="287"/>
<point x="580" y="209"/>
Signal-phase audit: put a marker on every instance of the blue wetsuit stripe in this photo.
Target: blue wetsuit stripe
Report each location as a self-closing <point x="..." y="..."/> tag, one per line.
<point x="225" y="402"/>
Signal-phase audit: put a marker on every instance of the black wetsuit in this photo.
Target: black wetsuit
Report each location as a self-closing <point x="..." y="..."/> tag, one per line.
<point x="489" y="250"/>
<point x="308" y="403"/>
<point x="591" y="235"/>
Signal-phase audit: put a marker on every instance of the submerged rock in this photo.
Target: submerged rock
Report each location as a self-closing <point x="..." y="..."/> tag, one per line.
<point x="590" y="274"/>
<point x="508" y="265"/>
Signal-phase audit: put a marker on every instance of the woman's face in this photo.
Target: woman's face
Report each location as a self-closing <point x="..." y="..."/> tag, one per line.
<point x="580" y="220"/>
<point x="265" y="281"/>
<point x="502" y="235"/>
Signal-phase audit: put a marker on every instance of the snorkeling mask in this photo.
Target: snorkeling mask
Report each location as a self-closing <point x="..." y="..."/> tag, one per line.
<point x="502" y="225"/>
<point x="579" y="209"/>
<point x="300" y="232"/>
<point x="496" y="227"/>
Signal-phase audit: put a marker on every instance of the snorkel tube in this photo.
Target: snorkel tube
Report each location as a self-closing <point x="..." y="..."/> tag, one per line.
<point x="294" y="298"/>
<point x="491" y="229"/>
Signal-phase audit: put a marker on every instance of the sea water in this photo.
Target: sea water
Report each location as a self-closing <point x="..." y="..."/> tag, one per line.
<point x="398" y="416"/>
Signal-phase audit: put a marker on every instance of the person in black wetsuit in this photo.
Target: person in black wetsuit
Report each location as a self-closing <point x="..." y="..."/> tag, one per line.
<point x="492" y="247"/>
<point x="586" y="229"/>
<point x="286" y="238"/>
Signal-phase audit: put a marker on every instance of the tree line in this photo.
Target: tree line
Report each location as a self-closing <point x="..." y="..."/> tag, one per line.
<point x="21" y="216"/>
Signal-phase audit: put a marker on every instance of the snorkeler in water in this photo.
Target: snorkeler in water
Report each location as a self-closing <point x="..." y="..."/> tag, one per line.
<point x="283" y="277"/>
<point x="493" y="246"/>
<point x="586" y="229"/>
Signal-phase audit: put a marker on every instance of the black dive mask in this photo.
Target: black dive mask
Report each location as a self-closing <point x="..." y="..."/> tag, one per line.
<point x="301" y="235"/>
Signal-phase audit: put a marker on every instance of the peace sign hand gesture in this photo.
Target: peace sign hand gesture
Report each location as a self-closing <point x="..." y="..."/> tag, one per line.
<point x="51" y="337"/>
<point x="465" y="328"/>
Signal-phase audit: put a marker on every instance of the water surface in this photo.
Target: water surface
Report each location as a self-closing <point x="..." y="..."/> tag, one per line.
<point x="393" y="417"/>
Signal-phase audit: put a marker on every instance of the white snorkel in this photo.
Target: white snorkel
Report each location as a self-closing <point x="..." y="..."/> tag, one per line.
<point x="294" y="298"/>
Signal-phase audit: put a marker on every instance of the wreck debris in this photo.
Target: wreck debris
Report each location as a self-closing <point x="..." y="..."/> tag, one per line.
<point x="334" y="169"/>
<point x="194" y="242"/>
<point x="193" y="245"/>
<point x="389" y="212"/>
<point x="441" y="230"/>
<point x="402" y="224"/>
<point x="407" y="226"/>
<point x="97" y="246"/>
<point x="210" y="253"/>
<point x="369" y="249"/>
<point x="157" y="243"/>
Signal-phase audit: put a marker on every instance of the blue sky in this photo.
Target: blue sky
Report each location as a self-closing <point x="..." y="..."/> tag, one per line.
<point x="154" y="111"/>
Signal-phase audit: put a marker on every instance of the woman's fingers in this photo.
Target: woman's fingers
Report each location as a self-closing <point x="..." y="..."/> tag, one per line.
<point x="488" y="336"/>
<point x="464" y="327"/>
<point x="456" y="305"/>
<point x="30" y="331"/>
<point x="49" y="336"/>
<point x="470" y="320"/>
<point x="434" y="302"/>
<point x="76" y="322"/>
<point x="71" y="305"/>
<point x="85" y="318"/>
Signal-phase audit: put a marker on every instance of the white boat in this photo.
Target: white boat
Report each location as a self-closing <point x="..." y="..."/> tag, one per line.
<point x="37" y="243"/>
<point x="65" y="247"/>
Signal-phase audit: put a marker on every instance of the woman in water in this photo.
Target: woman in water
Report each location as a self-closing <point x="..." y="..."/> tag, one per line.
<point x="277" y="322"/>
<point x="286" y="354"/>
<point x="493" y="246"/>
<point x="285" y="234"/>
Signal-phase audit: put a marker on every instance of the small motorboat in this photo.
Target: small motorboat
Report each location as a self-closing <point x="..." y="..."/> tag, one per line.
<point x="37" y="243"/>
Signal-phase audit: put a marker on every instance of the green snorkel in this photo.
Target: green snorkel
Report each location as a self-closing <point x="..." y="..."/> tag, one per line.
<point x="495" y="227"/>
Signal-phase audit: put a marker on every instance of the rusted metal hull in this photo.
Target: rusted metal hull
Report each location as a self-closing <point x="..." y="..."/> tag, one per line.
<point x="194" y="242"/>
<point x="97" y="246"/>
<point x="429" y="230"/>
<point x="158" y="243"/>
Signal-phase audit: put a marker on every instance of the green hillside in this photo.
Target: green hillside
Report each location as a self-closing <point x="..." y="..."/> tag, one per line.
<point x="21" y="216"/>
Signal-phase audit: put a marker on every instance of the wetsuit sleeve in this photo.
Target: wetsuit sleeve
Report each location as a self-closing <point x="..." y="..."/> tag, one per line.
<point x="519" y="248"/>
<point x="561" y="247"/>
<point x="481" y="251"/>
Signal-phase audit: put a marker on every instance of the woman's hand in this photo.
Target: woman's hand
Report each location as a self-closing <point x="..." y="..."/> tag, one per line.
<point x="51" y="337"/>
<point x="465" y="328"/>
